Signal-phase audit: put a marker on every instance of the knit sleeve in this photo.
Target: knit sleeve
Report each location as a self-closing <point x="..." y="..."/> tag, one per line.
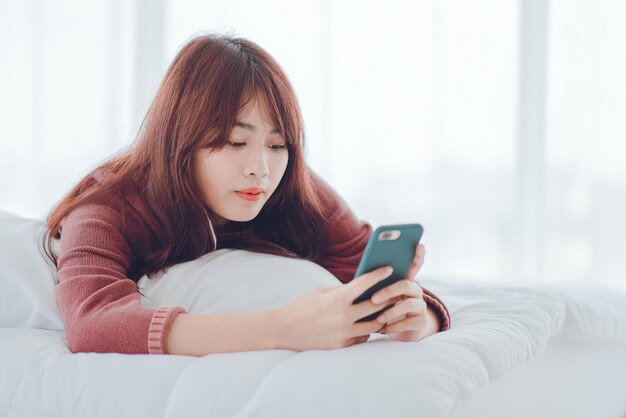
<point x="100" y="306"/>
<point x="348" y="238"/>
<point x="347" y="234"/>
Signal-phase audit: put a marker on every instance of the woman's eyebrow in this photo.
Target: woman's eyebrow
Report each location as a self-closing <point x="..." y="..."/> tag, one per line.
<point x="252" y="128"/>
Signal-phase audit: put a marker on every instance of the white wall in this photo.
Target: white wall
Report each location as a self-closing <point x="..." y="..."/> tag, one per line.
<point x="498" y="125"/>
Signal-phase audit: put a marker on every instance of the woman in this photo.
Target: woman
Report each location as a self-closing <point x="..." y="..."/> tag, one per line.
<point x="218" y="163"/>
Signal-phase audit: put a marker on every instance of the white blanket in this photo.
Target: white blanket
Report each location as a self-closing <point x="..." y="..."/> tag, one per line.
<point x="494" y="329"/>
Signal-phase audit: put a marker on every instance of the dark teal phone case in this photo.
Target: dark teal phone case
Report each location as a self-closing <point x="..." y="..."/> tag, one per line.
<point x="382" y="251"/>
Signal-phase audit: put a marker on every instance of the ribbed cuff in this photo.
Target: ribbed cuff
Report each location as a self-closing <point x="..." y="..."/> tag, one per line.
<point x="159" y="325"/>
<point x="442" y="312"/>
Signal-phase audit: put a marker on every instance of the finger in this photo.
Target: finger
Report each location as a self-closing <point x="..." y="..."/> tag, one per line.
<point x="367" y="328"/>
<point x="365" y="308"/>
<point x="408" y="307"/>
<point x="398" y="319"/>
<point x="358" y="340"/>
<point x="401" y="287"/>
<point x="418" y="261"/>
<point x="359" y="285"/>
<point x="411" y="323"/>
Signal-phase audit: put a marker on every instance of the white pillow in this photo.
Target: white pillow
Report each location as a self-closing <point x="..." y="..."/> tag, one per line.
<point x="231" y="280"/>
<point x="222" y="281"/>
<point x="27" y="281"/>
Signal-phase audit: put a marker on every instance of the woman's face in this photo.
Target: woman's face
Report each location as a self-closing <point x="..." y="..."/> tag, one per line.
<point x="256" y="156"/>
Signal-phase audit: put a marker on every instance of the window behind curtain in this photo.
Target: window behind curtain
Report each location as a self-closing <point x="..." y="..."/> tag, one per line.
<point x="414" y="112"/>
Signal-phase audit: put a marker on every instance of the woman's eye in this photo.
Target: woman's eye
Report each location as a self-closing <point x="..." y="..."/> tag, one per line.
<point x="273" y="147"/>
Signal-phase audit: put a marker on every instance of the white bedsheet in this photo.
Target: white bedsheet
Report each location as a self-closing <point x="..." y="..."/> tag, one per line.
<point x="566" y="380"/>
<point x="495" y="329"/>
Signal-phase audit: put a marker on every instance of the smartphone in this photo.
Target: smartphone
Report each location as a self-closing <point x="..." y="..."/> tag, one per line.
<point x="389" y="245"/>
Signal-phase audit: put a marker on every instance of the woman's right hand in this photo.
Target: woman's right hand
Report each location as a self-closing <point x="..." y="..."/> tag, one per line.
<point x="326" y="318"/>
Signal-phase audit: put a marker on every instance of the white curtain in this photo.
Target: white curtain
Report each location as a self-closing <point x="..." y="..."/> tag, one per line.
<point x="498" y="125"/>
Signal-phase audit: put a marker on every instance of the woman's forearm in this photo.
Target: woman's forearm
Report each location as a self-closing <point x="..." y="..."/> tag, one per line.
<point x="199" y="334"/>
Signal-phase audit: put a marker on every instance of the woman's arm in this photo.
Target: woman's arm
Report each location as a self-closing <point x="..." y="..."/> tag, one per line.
<point x="322" y="319"/>
<point x="199" y="335"/>
<point x="99" y="305"/>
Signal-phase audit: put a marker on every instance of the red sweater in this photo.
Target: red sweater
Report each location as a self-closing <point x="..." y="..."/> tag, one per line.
<point x="97" y="291"/>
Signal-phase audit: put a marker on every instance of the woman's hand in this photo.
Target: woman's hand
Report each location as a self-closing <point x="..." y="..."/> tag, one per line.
<point x="326" y="318"/>
<point x="410" y="319"/>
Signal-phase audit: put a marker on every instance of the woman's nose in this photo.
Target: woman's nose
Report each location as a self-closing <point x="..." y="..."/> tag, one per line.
<point x="257" y="164"/>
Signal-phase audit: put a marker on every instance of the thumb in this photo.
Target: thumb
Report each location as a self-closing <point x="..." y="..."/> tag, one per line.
<point x="369" y="279"/>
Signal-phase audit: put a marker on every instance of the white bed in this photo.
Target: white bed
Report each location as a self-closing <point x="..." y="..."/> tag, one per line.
<point x="540" y="351"/>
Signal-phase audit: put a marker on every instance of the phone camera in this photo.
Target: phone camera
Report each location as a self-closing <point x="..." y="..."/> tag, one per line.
<point x="389" y="235"/>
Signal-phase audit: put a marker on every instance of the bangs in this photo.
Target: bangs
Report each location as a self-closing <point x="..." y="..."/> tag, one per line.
<point x="249" y="74"/>
<point x="271" y="105"/>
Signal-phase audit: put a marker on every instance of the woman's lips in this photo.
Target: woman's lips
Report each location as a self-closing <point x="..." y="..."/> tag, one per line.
<point x="250" y="197"/>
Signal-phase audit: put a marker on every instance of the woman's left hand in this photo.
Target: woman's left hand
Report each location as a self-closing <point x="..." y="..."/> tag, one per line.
<point x="410" y="319"/>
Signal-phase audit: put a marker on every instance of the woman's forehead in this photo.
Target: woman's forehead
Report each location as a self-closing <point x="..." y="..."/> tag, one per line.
<point x="264" y="109"/>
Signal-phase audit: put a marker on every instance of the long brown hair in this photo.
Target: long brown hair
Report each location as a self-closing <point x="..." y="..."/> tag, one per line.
<point x="196" y="105"/>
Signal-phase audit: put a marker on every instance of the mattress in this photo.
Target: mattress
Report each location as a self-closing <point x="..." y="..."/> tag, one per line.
<point x="47" y="380"/>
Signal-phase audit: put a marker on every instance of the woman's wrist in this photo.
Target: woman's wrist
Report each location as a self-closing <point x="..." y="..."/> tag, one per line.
<point x="277" y="335"/>
<point x="434" y="323"/>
